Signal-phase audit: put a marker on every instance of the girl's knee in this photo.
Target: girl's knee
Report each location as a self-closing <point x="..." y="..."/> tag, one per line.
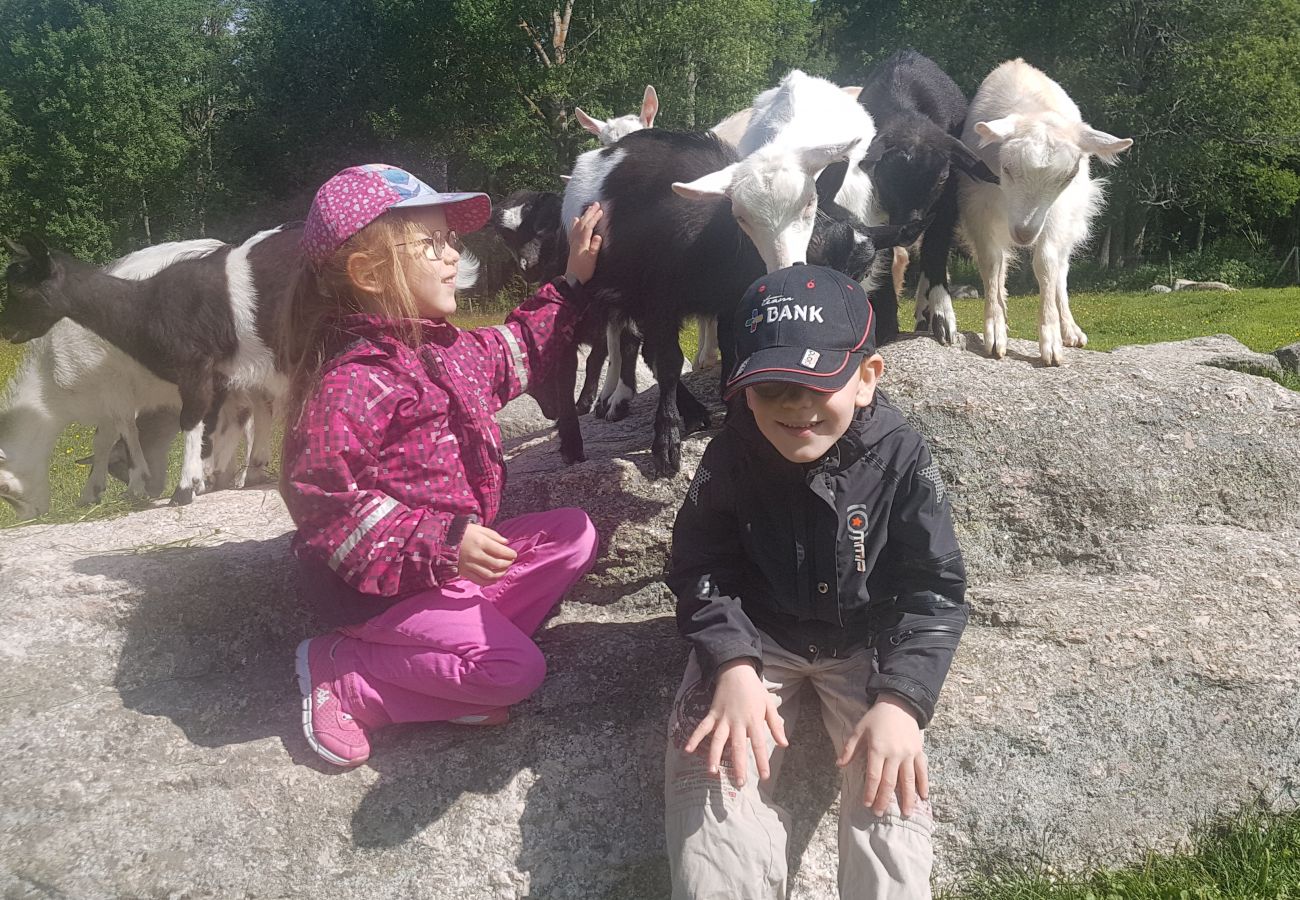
<point x="573" y="528"/>
<point x="517" y="673"/>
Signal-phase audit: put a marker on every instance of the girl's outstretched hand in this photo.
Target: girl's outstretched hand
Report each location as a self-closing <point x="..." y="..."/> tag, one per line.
<point x="584" y="244"/>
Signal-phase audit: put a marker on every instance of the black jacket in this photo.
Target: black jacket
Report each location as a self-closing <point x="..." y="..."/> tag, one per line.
<point x="854" y="550"/>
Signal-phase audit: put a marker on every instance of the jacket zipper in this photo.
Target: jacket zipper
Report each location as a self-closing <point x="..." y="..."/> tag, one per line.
<point x="897" y="639"/>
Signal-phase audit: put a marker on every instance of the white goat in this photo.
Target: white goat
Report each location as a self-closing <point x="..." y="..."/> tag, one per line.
<point x="73" y="375"/>
<point x="796" y="130"/>
<point x="610" y="130"/>
<point x="1029" y="131"/>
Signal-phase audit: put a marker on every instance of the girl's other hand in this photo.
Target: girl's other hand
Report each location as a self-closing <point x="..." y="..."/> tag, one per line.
<point x="485" y="556"/>
<point x="584" y="244"/>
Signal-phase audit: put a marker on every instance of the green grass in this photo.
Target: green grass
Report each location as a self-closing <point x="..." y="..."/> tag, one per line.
<point x="1261" y="319"/>
<point x="1254" y="856"/>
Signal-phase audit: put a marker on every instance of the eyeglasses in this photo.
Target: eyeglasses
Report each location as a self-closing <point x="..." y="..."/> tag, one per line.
<point x="434" y="245"/>
<point x="773" y="390"/>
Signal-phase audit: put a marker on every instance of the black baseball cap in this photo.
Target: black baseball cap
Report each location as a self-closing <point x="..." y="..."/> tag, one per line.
<point x="805" y="325"/>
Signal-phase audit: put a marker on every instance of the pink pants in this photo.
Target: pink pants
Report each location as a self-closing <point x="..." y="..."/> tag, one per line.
<point x="460" y="649"/>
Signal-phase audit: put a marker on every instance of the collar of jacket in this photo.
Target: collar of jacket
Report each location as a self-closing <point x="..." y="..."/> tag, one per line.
<point x="372" y="327"/>
<point x="842" y="454"/>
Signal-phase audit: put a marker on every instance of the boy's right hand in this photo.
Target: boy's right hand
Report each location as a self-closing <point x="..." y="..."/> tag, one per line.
<point x="584" y="244"/>
<point x="743" y="712"/>
<point x="485" y="556"/>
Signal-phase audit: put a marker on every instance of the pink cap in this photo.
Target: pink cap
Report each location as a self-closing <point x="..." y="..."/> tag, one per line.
<point x="357" y="196"/>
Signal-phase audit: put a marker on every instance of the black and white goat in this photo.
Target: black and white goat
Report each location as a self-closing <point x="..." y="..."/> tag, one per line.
<point x="667" y="257"/>
<point x="72" y="375"/>
<point x="912" y="161"/>
<point x="205" y="323"/>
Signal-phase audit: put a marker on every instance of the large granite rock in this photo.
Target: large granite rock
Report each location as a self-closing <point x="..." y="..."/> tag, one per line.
<point x="1132" y="527"/>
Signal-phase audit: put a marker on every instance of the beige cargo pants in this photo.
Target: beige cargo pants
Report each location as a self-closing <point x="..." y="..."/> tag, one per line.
<point x="729" y="843"/>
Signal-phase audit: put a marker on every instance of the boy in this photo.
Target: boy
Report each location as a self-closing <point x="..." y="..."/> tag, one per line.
<point x="815" y="545"/>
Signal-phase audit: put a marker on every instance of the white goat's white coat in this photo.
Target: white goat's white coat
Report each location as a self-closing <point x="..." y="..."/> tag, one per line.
<point x="796" y="129"/>
<point x="72" y="375"/>
<point x="1029" y="131"/>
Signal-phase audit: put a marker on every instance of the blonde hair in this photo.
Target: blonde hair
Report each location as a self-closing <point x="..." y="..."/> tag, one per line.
<point x="324" y="292"/>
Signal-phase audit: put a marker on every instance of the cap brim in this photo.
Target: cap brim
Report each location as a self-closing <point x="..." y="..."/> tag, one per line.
<point x="466" y="211"/>
<point x="831" y="371"/>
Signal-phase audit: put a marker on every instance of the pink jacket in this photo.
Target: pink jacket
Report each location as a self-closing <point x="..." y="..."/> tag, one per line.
<point x="398" y="448"/>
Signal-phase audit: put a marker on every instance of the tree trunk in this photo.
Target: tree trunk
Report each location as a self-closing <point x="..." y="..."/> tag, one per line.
<point x="1200" y="233"/>
<point x="1117" y="242"/>
<point x="1103" y="252"/>
<point x="692" y="78"/>
<point x="1139" y="215"/>
<point x="144" y="211"/>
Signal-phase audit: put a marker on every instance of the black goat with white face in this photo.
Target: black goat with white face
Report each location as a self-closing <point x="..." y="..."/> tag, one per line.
<point x="915" y="162"/>
<point x="528" y="223"/>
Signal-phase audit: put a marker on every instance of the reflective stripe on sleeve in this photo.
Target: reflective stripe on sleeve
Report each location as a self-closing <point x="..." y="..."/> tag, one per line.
<point x="387" y="505"/>
<point x="521" y="369"/>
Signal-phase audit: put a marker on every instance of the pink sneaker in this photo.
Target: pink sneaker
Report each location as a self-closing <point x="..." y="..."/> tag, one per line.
<point x="333" y="734"/>
<point x="498" y="716"/>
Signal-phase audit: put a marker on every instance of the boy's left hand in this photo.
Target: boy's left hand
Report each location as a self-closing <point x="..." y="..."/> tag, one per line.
<point x="889" y="735"/>
<point x="584" y="244"/>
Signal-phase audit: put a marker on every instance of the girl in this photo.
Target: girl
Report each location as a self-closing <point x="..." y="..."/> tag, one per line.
<point x="393" y="466"/>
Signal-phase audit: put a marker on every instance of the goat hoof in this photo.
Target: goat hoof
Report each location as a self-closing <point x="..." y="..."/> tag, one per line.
<point x="668" y="460"/>
<point x="696" y="423"/>
<point x="582" y="407"/>
<point x="601" y="409"/>
<point x="256" y="474"/>
<point x="619" y="412"/>
<point x="571" y="449"/>
<point x="182" y="497"/>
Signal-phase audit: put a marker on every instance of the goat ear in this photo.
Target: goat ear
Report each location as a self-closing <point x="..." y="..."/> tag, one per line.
<point x="587" y="122"/>
<point x="964" y="158"/>
<point x="814" y="159"/>
<point x="1104" y="146"/>
<point x="875" y="153"/>
<point x="35" y="248"/>
<point x="649" y="106"/>
<point x="715" y="184"/>
<point x="995" y="130"/>
<point x="16" y="248"/>
<point x="886" y="236"/>
<point x="852" y="92"/>
<point x="829" y="183"/>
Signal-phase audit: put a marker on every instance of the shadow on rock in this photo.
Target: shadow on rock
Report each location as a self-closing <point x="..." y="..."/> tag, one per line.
<point x="580" y="765"/>
<point x="210" y="637"/>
